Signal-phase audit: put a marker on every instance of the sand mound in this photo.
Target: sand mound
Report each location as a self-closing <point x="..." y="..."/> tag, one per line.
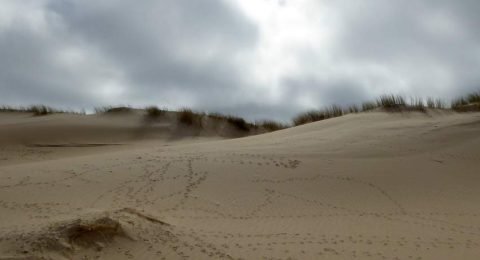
<point x="26" y="138"/>
<point x="85" y="236"/>
<point x="69" y="237"/>
<point x="113" y="127"/>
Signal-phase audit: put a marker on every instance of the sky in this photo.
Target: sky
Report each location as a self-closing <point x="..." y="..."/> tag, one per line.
<point x="253" y="58"/>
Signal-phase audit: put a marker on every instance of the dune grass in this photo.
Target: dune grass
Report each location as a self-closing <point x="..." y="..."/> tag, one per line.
<point x="436" y="103"/>
<point x="188" y="117"/>
<point x="37" y="110"/>
<point x="387" y="103"/>
<point x="353" y="109"/>
<point x="470" y="102"/>
<point x="416" y="104"/>
<point x="155" y="112"/>
<point x="270" y="125"/>
<point x="237" y="122"/>
<point x="398" y="103"/>
<point x="41" y="110"/>
<point x="369" y="105"/>
<point x="113" y="109"/>
<point x="391" y="102"/>
<point x="12" y="109"/>
<point x="318" y="115"/>
<point x="243" y="125"/>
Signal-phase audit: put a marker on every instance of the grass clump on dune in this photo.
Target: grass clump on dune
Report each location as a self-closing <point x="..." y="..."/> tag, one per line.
<point x="270" y="125"/>
<point x="416" y="104"/>
<point x="111" y="109"/>
<point x="217" y="116"/>
<point x="243" y="125"/>
<point x="37" y="110"/>
<point x="391" y="102"/>
<point x="188" y="117"/>
<point x="41" y="110"/>
<point x="397" y="103"/>
<point x="318" y="115"/>
<point x="388" y="103"/>
<point x="436" y="103"/>
<point x="353" y="109"/>
<point x="237" y="122"/>
<point x="154" y="112"/>
<point x="12" y="109"/>
<point x="470" y="102"/>
<point x="369" y="105"/>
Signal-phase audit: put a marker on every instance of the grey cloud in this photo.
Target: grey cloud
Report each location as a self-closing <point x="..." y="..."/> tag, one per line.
<point x="168" y="45"/>
<point x="201" y="54"/>
<point x="415" y="40"/>
<point x="415" y="48"/>
<point x="165" y="49"/>
<point x="324" y="92"/>
<point x="28" y="74"/>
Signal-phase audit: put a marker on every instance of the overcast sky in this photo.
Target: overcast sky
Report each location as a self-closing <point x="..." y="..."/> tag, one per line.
<point x="253" y="58"/>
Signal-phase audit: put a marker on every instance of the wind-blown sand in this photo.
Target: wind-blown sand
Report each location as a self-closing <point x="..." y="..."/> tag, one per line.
<point x="365" y="186"/>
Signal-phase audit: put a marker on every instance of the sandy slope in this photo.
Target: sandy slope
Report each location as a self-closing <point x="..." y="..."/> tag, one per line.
<point x="366" y="186"/>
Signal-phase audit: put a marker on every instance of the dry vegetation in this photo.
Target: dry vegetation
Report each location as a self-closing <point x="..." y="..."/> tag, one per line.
<point x="270" y="125"/>
<point x="369" y="105"/>
<point x="37" y="110"/>
<point x="112" y="109"/>
<point x="468" y="103"/>
<point x="237" y="122"/>
<point x="188" y="117"/>
<point x="436" y="103"/>
<point x="318" y="115"/>
<point x="391" y="103"/>
<point x="154" y="112"/>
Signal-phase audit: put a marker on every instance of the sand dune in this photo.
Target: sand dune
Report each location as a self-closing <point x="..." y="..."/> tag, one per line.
<point x="363" y="186"/>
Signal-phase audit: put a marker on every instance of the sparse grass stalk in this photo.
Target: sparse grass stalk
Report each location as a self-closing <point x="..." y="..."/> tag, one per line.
<point x="435" y="103"/>
<point x="353" y="109"/>
<point x="440" y="104"/>
<point x="416" y="104"/>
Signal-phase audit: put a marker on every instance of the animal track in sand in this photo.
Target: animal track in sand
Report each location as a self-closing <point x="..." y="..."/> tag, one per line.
<point x="337" y="178"/>
<point x="308" y="244"/>
<point x="257" y="159"/>
<point x="150" y="180"/>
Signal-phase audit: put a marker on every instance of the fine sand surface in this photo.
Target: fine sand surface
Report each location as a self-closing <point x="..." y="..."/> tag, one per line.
<point x="365" y="186"/>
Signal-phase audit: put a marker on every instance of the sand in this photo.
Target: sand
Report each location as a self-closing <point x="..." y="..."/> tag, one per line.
<point x="364" y="186"/>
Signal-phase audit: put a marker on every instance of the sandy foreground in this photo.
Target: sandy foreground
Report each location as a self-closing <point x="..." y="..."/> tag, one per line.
<point x="365" y="186"/>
